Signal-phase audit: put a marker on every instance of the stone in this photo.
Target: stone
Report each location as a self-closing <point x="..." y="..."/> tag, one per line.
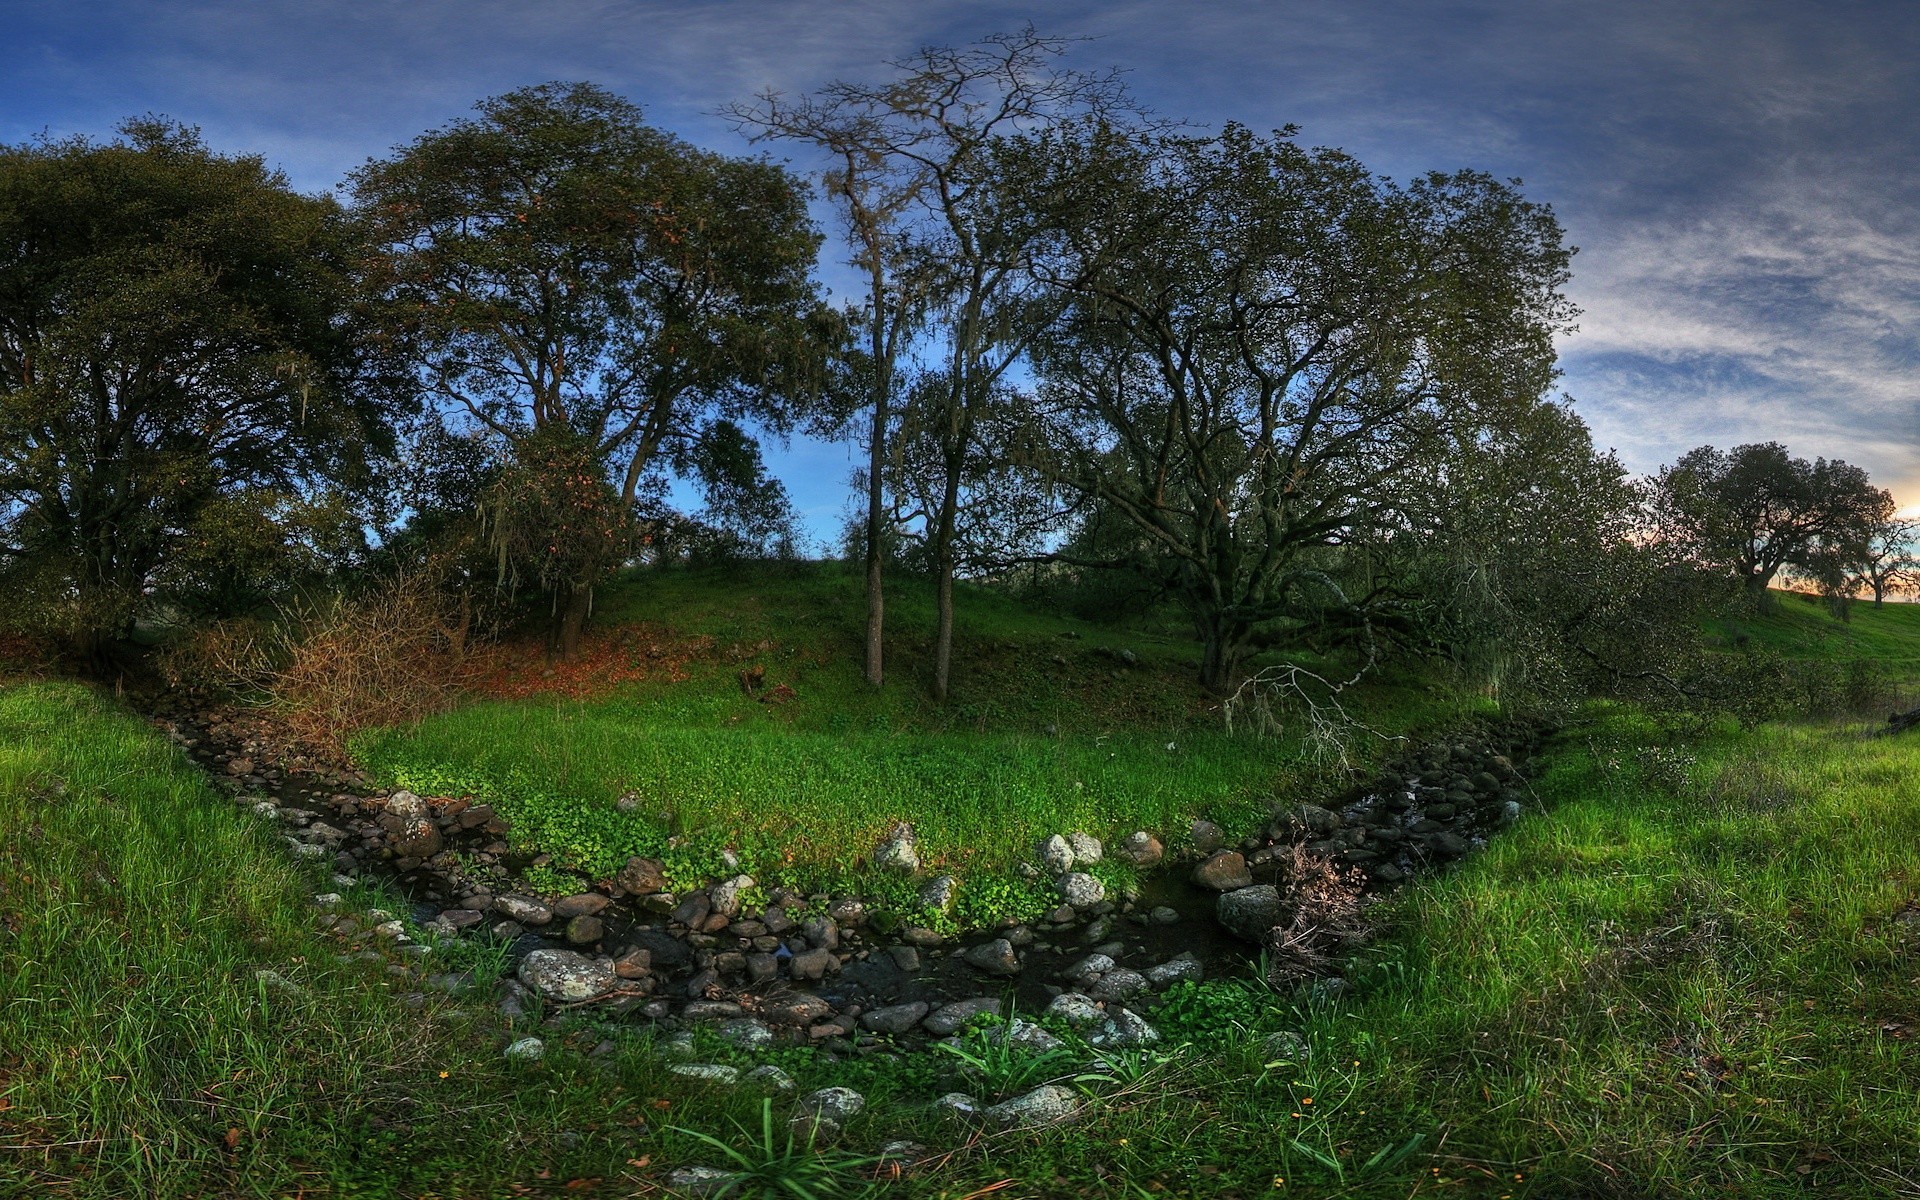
<point x="1056" y="854"/>
<point x="812" y="965"/>
<point x="1509" y="811"/>
<point x="1025" y="1035"/>
<point x="1044" y="1105"/>
<point x="1206" y="836"/>
<point x="747" y="1033"/>
<point x="1077" y="1010"/>
<point x="822" y="1115"/>
<point x="1123" y="1029"/>
<point x="641" y="877"/>
<point x="700" y="1181"/>
<point x="761" y="967"/>
<point x="769" y="1078"/>
<point x="710" y="1072"/>
<point x="418" y="838"/>
<point x="389" y="929"/>
<point x="406" y="806"/>
<point x="996" y="957"/>
<point x="823" y="932"/>
<point x="897" y="852"/>
<point x="677" y="1047"/>
<point x="921" y="936"/>
<point x="1118" y="984"/>
<point x="1249" y="913"/>
<point x="948" y="1018"/>
<point x="526" y="1049"/>
<point x="586" y="904"/>
<point x="1088" y="969"/>
<point x="1286" y="1046"/>
<point x="585" y="931"/>
<point x="800" y="1008"/>
<point x="1315" y="821"/>
<point x="724" y="898"/>
<point x="938" y="893"/>
<point x="1448" y="845"/>
<point x="1086" y="849"/>
<point x="849" y="911"/>
<point x="693" y="910"/>
<point x="461" y="918"/>
<point x="1163" y="915"/>
<point x="958" y="1104"/>
<point x="565" y="976"/>
<point x="1081" y="890"/>
<point x="524" y="909"/>
<point x="895" y="1018"/>
<point x="1142" y="849"/>
<point x="904" y="957"/>
<point x="1224" y="871"/>
<point x="329" y="899"/>
<point x="1098" y="930"/>
<point x="1180" y="967"/>
<point x="635" y="963"/>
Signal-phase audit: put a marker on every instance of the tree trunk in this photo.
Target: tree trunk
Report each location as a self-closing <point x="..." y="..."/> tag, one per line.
<point x="876" y="530"/>
<point x="943" y="569"/>
<point x="1224" y="649"/>
<point x="570" y="621"/>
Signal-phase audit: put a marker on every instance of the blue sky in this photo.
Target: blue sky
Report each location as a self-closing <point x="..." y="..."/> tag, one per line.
<point x="1741" y="177"/>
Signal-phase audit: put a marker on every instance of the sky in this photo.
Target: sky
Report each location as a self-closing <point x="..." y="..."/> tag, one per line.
<point x="1742" y="178"/>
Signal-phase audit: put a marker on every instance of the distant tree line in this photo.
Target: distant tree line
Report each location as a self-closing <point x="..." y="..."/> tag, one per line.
<point x="1109" y="357"/>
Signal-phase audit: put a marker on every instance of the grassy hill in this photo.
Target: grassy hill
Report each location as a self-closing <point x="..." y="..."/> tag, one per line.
<point x="1690" y="973"/>
<point x="1800" y="626"/>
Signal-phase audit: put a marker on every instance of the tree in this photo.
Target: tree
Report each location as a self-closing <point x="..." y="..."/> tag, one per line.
<point x="1262" y="338"/>
<point x="557" y="262"/>
<point x="181" y="370"/>
<point x="938" y="222"/>
<point x="1755" y="510"/>
<point x="1886" y="563"/>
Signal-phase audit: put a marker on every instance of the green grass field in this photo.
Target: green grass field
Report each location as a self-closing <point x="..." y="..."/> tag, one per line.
<point x="1694" y="972"/>
<point x="1800" y="626"/>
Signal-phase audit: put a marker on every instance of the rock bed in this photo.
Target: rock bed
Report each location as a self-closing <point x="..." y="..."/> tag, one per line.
<point x="811" y="968"/>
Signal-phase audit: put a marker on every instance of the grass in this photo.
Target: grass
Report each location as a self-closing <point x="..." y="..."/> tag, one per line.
<point x="1799" y="626"/>
<point x="1690" y="973"/>
<point x="1051" y="731"/>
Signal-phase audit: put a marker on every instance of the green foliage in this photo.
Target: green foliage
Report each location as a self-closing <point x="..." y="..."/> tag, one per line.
<point x="182" y="380"/>
<point x="1199" y="1009"/>
<point x="995" y="1065"/>
<point x="782" y="1166"/>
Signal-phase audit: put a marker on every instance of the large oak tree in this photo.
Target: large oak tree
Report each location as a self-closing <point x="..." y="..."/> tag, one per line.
<point x="179" y="364"/>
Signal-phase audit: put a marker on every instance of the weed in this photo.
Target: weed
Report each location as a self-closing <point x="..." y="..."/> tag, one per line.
<point x="782" y="1166"/>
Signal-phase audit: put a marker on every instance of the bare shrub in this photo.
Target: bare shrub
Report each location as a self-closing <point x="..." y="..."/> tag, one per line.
<point x="233" y="659"/>
<point x="391" y="656"/>
<point x="1327" y="917"/>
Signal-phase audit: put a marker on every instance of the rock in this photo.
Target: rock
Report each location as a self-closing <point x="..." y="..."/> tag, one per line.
<point x="523" y="909"/>
<point x="761" y="967"/>
<point x="677" y="1047"/>
<point x="585" y="931"/>
<point x="1123" y="1029"/>
<point x="797" y="1009"/>
<point x="1509" y="811"/>
<point x="1056" y="854"/>
<point x="265" y="810"/>
<point x="1164" y="916"/>
<point x="565" y="976"/>
<point x="1175" y="969"/>
<point x="389" y="929"/>
<point x="1025" y="1035"/>
<point x="823" y="932"/>
<point x="1142" y="849"/>
<point x="958" y="1104"/>
<point x="1043" y="1105"/>
<point x="921" y="936"/>
<point x="948" y="1018"/>
<point x="747" y="1033"/>
<point x="898" y="852"/>
<point x="996" y="957"/>
<point x="1077" y="1010"/>
<point x="1224" y="871"/>
<point x="770" y="1078"/>
<point x="711" y="1072"/>
<point x="1206" y="836"/>
<point x="896" y="1018"/>
<point x="1249" y="913"/>
<point x="1315" y="821"/>
<point x="329" y="899"/>
<point x="904" y="957"/>
<point x="635" y="963"/>
<point x="1081" y="890"/>
<point x="724" y="898"/>
<point x="902" y="1154"/>
<point x="693" y="910"/>
<point x="1098" y="930"/>
<point x="700" y="1181"/>
<point x="585" y="904"/>
<point x="406" y="806"/>
<point x="1286" y="1046"/>
<point x="823" y="1114"/>
<point x="418" y="838"/>
<point x="1088" y="969"/>
<point x="1086" y="849"/>
<point x="1118" y="984"/>
<point x="1448" y="845"/>
<point x="526" y="1049"/>
<point x="812" y="965"/>
<point x="849" y="911"/>
<point x="641" y="877"/>
<point x="938" y="893"/>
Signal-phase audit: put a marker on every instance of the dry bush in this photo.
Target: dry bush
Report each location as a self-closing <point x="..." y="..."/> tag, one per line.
<point x="1327" y="906"/>
<point x="228" y="660"/>
<point x="391" y="656"/>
